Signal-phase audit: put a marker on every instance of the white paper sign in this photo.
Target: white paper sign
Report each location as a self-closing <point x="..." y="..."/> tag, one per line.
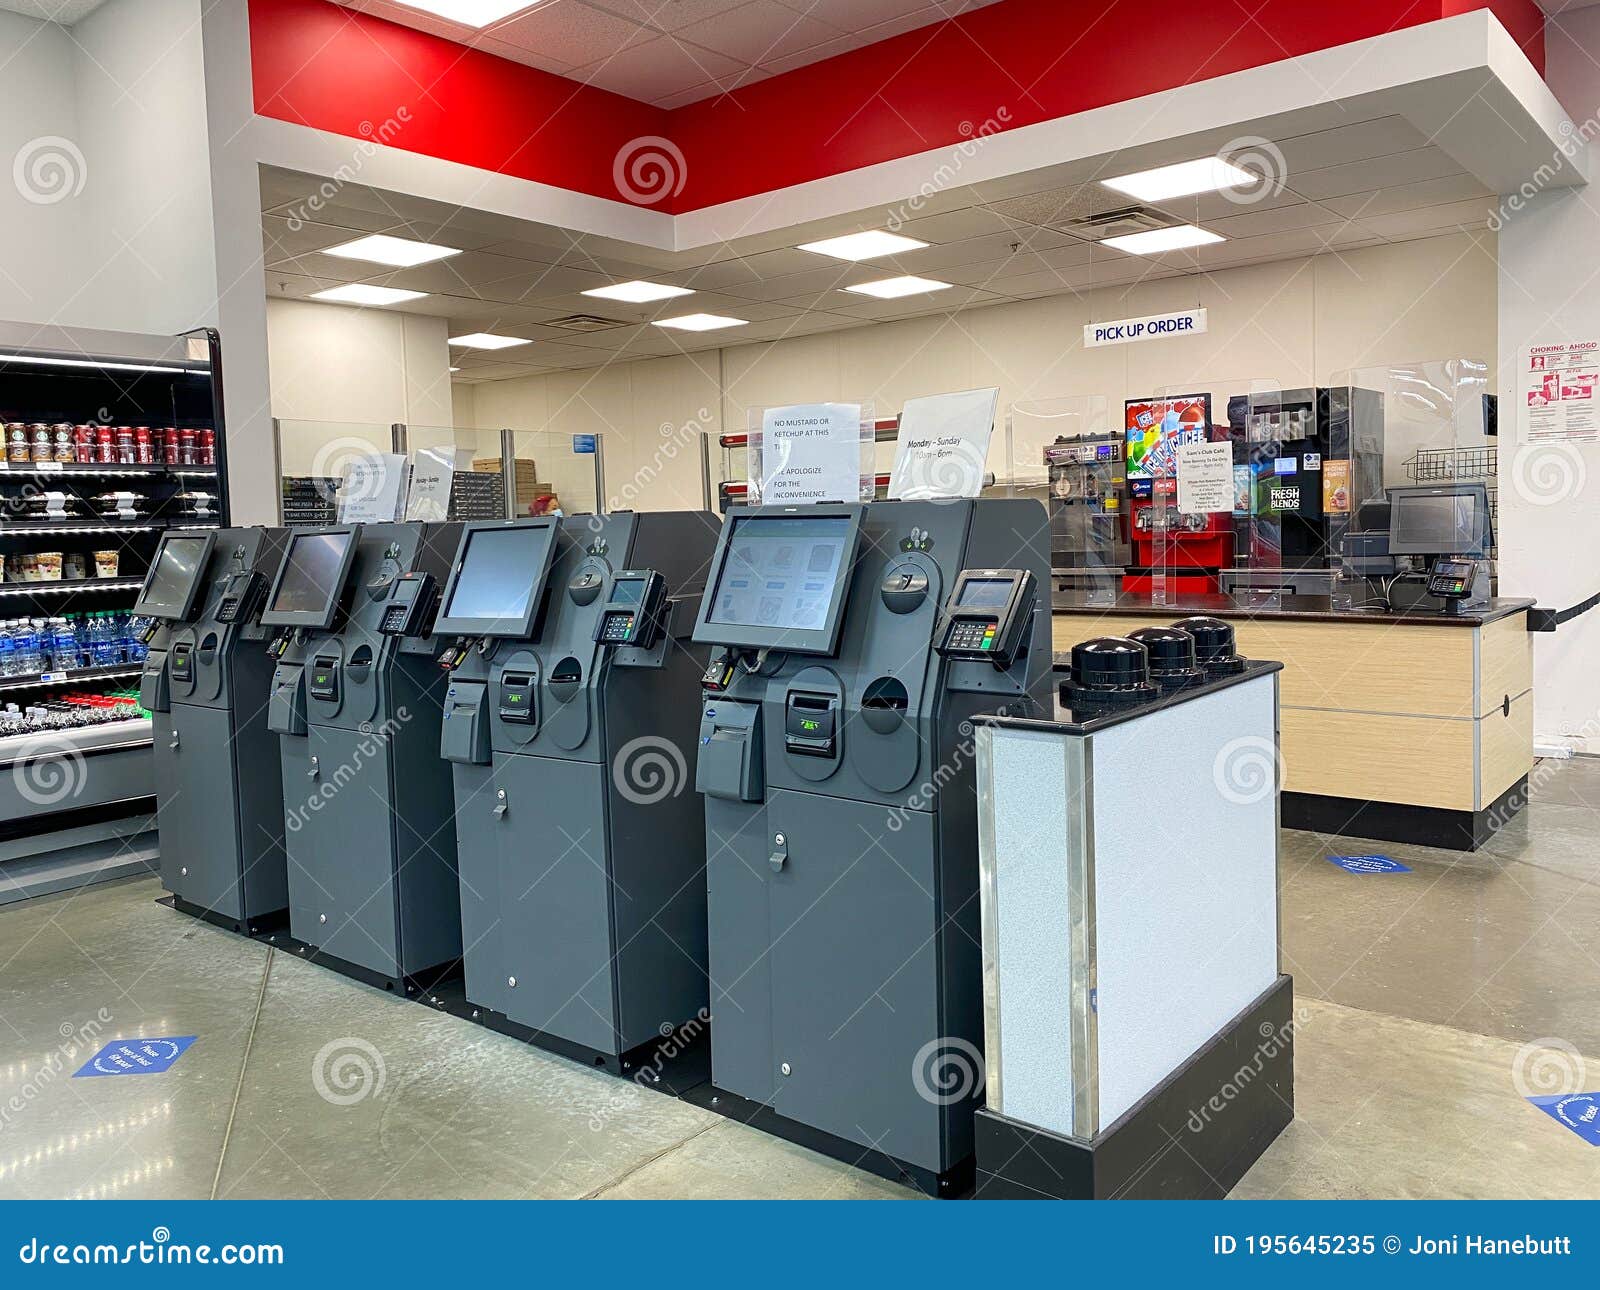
<point x="1120" y="331"/>
<point x="373" y="489"/>
<point x="943" y="445"/>
<point x="1557" y="398"/>
<point x="433" y="471"/>
<point x="1205" y="478"/>
<point x="811" y="452"/>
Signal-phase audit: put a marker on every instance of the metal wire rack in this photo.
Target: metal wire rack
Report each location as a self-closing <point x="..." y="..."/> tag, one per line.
<point x="1436" y="465"/>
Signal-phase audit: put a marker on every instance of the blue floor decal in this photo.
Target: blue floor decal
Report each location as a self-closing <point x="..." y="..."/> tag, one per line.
<point x="136" y="1056"/>
<point x="1369" y="864"/>
<point x="1580" y="1112"/>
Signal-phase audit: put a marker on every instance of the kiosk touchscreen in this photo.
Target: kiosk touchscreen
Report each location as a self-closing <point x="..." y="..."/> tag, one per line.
<point x="852" y="645"/>
<point x="311" y="579"/>
<point x="205" y="683"/>
<point x="569" y="727"/>
<point x="356" y="704"/>
<point x="172" y="586"/>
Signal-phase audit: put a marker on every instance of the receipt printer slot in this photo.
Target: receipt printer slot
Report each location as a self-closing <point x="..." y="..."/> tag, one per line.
<point x="810" y="726"/>
<point x="464" y="732"/>
<point x="730" y="752"/>
<point x="516" y="698"/>
<point x="325" y="678"/>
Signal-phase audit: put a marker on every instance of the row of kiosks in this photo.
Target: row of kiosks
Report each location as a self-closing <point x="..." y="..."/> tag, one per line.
<point x="637" y="770"/>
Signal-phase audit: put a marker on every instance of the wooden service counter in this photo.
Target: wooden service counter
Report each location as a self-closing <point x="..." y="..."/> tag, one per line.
<point x="1407" y="727"/>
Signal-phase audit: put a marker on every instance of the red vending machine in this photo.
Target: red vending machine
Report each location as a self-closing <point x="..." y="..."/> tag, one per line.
<point x="1191" y="548"/>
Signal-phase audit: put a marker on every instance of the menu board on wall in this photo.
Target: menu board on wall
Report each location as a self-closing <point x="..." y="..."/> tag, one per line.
<point x="1556" y="396"/>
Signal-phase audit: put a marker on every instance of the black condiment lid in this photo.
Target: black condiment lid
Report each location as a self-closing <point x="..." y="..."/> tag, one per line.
<point x="1213" y="645"/>
<point x="1172" y="656"/>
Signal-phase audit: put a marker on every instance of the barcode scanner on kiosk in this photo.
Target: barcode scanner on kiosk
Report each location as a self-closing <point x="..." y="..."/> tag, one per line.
<point x="988" y="615"/>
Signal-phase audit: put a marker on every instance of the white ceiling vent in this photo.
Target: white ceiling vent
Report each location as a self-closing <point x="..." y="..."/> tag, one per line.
<point x="585" y="322"/>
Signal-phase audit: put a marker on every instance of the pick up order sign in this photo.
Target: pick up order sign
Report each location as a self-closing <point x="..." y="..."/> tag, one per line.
<point x="1185" y="322"/>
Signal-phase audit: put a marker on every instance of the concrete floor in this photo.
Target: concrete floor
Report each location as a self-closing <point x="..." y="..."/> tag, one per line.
<point x="1418" y="992"/>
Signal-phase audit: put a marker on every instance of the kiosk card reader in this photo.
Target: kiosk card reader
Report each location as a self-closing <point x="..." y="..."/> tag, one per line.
<point x="570" y="720"/>
<point x="356" y="706"/>
<point x="205" y="683"/>
<point x="836" y="765"/>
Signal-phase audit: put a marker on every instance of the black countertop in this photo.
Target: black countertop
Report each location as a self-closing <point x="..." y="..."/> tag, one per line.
<point x="1067" y="722"/>
<point x="1293" y="608"/>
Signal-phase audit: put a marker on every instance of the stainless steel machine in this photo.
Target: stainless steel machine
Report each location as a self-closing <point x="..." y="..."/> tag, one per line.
<point x="219" y="801"/>
<point x="569" y="724"/>
<point x="852" y="644"/>
<point x="356" y="700"/>
<point x="1088" y="505"/>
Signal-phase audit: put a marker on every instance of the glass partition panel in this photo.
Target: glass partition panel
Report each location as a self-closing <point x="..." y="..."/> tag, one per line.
<point x="558" y="473"/>
<point x="1070" y="455"/>
<point x="313" y="458"/>
<point x="1418" y="464"/>
<point x="455" y="473"/>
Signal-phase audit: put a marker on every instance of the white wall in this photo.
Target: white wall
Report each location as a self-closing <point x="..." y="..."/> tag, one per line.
<point x="339" y="372"/>
<point x="39" y="236"/>
<point x="1550" y="496"/>
<point x="1278" y="325"/>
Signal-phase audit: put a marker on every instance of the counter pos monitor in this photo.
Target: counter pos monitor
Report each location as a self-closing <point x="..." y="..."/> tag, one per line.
<point x="356" y="701"/>
<point x="852" y="644"/>
<point x="219" y="804"/>
<point x="569" y="728"/>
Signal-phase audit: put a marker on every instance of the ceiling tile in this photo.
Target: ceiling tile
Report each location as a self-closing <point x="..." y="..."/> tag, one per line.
<point x="759" y="32"/>
<point x="666" y="15"/>
<point x="1431" y="192"/>
<point x="660" y="67"/>
<point x="1347" y="143"/>
<point x="1373" y="173"/>
<point x="574" y="33"/>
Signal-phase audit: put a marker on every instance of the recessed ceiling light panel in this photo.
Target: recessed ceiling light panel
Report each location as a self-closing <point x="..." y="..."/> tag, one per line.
<point x="361" y="293"/>
<point x="863" y="246"/>
<point x="399" y="252"/>
<point x="700" y="322"/>
<point x="894" y="288"/>
<point x="639" y="293"/>
<point x="1203" y="175"/>
<point x="1158" y="240"/>
<point x="487" y="340"/>
<point x="472" y="13"/>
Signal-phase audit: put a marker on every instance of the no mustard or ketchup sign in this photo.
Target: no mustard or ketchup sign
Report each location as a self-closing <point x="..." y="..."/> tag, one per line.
<point x="1184" y="322"/>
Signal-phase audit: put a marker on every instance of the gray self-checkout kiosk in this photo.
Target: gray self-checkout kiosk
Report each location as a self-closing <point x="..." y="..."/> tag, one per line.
<point x="852" y="644"/>
<point x="569" y="724"/>
<point x="356" y="704"/>
<point x="219" y="804"/>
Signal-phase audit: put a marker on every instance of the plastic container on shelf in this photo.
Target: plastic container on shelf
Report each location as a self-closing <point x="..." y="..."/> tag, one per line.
<point x="8" y="649"/>
<point x="64" y="644"/>
<point x="30" y="653"/>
